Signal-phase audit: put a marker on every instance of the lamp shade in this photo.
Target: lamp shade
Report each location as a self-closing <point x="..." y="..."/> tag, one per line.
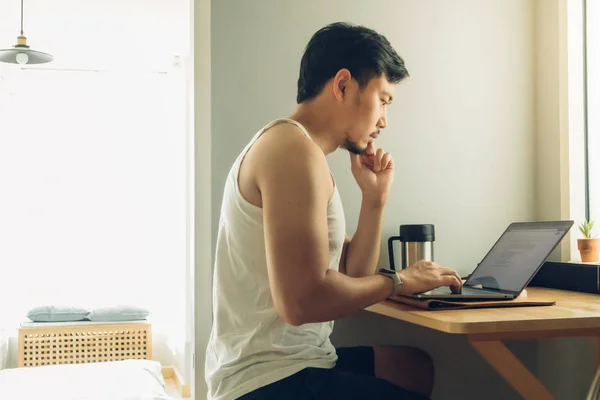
<point x="24" y="55"/>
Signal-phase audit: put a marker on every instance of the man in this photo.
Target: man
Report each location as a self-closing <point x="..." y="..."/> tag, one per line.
<point x="284" y="266"/>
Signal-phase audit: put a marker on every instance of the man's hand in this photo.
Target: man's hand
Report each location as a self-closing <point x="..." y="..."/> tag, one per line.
<point x="374" y="173"/>
<point x="426" y="275"/>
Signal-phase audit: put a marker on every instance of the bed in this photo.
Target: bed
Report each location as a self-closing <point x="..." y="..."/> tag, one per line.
<point x="85" y="360"/>
<point x="111" y="380"/>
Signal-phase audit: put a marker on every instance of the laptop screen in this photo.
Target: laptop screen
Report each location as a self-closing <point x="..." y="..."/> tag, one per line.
<point x="518" y="254"/>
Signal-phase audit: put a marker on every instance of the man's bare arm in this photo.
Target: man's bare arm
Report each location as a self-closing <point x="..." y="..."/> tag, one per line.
<point x="373" y="171"/>
<point x="362" y="251"/>
<point x="295" y="187"/>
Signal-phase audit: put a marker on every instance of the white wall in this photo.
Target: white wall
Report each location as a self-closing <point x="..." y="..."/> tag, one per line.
<point x="474" y="150"/>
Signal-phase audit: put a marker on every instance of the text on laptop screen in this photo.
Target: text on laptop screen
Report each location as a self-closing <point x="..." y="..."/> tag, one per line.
<point x="516" y="256"/>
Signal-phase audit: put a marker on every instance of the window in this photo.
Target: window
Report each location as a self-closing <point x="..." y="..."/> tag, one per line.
<point x="95" y="164"/>
<point x="592" y="30"/>
<point x="93" y="198"/>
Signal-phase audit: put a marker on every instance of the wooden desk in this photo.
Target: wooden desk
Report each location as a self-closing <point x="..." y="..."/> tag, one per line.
<point x="574" y="315"/>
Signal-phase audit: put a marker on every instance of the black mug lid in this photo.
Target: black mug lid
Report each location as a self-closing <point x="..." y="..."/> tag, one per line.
<point x="417" y="233"/>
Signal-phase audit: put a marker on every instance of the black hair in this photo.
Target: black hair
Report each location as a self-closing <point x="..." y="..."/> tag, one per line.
<point x="364" y="52"/>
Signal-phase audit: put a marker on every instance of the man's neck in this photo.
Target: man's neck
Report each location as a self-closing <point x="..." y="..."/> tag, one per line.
<point x="318" y="122"/>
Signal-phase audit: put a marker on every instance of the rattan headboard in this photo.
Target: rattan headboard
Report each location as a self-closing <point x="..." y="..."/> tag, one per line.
<point x="81" y="342"/>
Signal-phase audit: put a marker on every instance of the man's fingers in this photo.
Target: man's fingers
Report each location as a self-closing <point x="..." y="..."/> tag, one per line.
<point x="377" y="160"/>
<point x="446" y="270"/>
<point x="370" y="149"/>
<point x="458" y="276"/>
<point x="387" y="157"/>
<point x="453" y="282"/>
<point x="451" y="272"/>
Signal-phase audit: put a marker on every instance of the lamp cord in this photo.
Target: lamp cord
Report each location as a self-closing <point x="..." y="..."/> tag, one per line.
<point x="21" y="17"/>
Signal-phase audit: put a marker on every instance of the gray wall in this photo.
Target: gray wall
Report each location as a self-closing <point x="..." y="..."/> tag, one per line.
<point x="462" y="132"/>
<point x="200" y="120"/>
<point x="461" y="128"/>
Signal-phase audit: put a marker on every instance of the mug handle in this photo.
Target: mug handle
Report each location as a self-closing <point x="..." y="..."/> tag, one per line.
<point x="391" y="250"/>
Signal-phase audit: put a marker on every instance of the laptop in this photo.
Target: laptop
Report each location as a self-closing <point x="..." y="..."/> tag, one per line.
<point x="510" y="264"/>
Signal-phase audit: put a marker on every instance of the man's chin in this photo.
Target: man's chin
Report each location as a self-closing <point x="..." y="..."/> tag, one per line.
<point x="354" y="148"/>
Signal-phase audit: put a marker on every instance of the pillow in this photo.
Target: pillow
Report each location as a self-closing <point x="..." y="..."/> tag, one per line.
<point x="57" y="313"/>
<point x="119" y="313"/>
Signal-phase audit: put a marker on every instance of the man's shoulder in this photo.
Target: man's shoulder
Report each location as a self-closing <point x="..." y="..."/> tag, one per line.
<point x="285" y="134"/>
<point x="287" y="145"/>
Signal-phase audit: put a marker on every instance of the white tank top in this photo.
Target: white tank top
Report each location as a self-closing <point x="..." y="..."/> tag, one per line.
<point x="250" y="345"/>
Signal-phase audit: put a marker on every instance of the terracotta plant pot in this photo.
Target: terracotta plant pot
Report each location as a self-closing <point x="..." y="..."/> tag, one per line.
<point x="589" y="249"/>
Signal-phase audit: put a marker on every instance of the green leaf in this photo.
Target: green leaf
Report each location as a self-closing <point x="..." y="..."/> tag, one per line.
<point x="586" y="228"/>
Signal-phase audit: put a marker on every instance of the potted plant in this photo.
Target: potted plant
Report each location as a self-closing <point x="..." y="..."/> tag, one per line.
<point x="589" y="246"/>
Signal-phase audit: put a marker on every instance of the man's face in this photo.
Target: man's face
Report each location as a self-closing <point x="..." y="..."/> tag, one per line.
<point x="367" y="114"/>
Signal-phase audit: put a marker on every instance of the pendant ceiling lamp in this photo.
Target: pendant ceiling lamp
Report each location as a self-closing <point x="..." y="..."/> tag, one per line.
<point x="21" y="53"/>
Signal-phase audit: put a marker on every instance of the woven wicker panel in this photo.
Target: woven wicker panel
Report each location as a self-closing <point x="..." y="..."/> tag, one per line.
<point x="79" y="344"/>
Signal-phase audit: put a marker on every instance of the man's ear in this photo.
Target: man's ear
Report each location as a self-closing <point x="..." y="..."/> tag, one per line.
<point x="340" y="84"/>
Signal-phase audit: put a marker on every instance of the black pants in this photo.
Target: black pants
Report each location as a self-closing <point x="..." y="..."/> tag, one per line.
<point x="353" y="377"/>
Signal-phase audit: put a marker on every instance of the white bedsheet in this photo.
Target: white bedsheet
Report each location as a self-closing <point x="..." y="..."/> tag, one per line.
<point x="115" y="380"/>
